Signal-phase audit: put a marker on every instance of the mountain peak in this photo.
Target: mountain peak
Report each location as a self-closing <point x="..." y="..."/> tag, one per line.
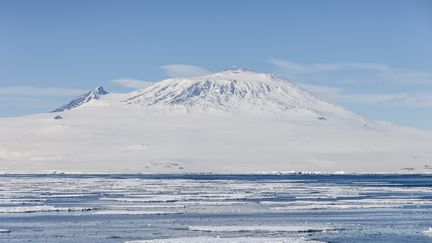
<point x="229" y="90"/>
<point x="94" y="94"/>
<point x="236" y="70"/>
<point x="243" y="75"/>
<point x="99" y="90"/>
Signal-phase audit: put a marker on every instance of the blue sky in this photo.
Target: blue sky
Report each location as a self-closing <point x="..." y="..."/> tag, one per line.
<point x="373" y="57"/>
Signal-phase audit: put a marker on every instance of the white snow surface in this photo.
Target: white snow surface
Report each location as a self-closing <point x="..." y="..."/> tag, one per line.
<point x="233" y="121"/>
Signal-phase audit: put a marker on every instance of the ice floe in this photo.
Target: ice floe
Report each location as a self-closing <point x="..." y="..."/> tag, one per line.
<point x="428" y="231"/>
<point x="133" y="212"/>
<point x="205" y="239"/>
<point x="265" y="228"/>
<point x="43" y="208"/>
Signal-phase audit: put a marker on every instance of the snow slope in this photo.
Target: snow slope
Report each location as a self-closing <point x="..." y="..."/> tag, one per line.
<point x="231" y="121"/>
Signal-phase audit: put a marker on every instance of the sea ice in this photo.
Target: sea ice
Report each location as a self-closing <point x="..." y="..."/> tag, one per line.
<point x="264" y="228"/>
<point x="204" y="239"/>
<point x="428" y="232"/>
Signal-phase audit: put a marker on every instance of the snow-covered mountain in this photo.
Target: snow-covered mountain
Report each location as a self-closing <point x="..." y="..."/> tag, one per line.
<point x="231" y="90"/>
<point x="235" y="120"/>
<point x="95" y="94"/>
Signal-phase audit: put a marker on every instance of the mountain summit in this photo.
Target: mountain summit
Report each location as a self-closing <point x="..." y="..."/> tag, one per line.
<point x="231" y="90"/>
<point x="95" y="94"/>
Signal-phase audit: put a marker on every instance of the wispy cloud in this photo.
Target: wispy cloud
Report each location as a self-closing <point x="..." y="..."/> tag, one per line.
<point x="26" y="101"/>
<point x="379" y="71"/>
<point x="182" y="70"/>
<point x="39" y="91"/>
<point x="326" y="67"/>
<point x="405" y="76"/>
<point x="132" y="83"/>
<point x="339" y="95"/>
<point x="321" y="89"/>
<point x="411" y="99"/>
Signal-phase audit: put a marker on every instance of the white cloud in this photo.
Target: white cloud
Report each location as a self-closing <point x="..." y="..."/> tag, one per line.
<point x="182" y="70"/>
<point x="339" y="95"/>
<point x="321" y="89"/>
<point x="412" y="99"/>
<point x="326" y="67"/>
<point x="379" y="71"/>
<point x="404" y="76"/>
<point x="132" y="83"/>
<point x="39" y="91"/>
<point x="25" y="101"/>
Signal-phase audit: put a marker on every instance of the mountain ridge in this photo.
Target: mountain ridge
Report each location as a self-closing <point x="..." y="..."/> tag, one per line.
<point x="230" y="90"/>
<point x="94" y="94"/>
